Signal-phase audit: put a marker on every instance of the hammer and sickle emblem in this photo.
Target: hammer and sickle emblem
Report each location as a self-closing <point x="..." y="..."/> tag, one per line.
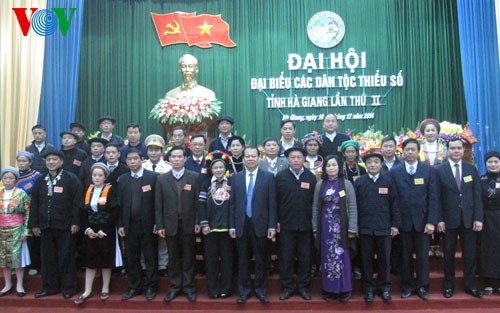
<point x="171" y="29"/>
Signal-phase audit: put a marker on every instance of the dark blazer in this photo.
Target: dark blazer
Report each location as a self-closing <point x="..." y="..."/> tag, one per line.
<point x="148" y="183"/>
<point x="38" y="161"/>
<point x="418" y="199"/>
<point x="459" y="205"/>
<point x="166" y="202"/>
<point x="296" y="144"/>
<point x="333" y="147"/>
<point x="216" y="144"/>
<point x="264" y="207"/>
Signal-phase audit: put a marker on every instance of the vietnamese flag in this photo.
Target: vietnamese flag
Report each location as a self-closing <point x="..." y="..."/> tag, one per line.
<point x="204" y="29"/>
<point x="169" y="28"/>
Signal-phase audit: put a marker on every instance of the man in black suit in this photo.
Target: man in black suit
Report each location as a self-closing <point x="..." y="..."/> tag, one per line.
<point x="416" y="184"/>
<point x="252" y="221"/>
<point x="54" y="216"/>
<point x="332" y="140"/>
<point x="460" y="214"/>
<point x="225" y="124"/>
<point x="295" y="190"/>
<point x="378" y="220"/>
<point x="136" y="223"/>
<point x="177" y="221"/>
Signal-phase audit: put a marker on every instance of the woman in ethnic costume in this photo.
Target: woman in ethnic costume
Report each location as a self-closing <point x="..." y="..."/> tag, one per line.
<point x="214" y="222"/>
<point x="490" y="236"/>
<point x="433" y="153"/>
<point x="352" y="168"/>
<point x="14" y="214"/>
<point x="312" y="143"/>
<point x="335" y="223"/>
<point x="99" y="225"/>
<point x="27" y="178"/>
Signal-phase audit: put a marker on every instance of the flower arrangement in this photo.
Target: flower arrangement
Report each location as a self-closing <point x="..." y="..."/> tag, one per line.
<point x="184" y="110"/>
<point x="369" y="140"/>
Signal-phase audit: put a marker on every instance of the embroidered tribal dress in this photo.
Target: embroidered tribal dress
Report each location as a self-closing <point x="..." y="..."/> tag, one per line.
<point x="101" y="211"/>
<point x="335" y="261"/>
<point x="13" y="224"/>
<point x="27" y="180"/>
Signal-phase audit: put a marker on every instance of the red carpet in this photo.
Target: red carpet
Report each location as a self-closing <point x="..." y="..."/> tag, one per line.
<point x="460" y="303"/>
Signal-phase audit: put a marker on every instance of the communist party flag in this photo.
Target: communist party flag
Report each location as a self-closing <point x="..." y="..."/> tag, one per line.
<point x="201" y="31"/>
<point x="169" y="28"/>
<point x="205" y="29"/>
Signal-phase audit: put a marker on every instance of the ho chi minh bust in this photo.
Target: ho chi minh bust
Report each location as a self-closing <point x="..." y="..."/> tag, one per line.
<point x="188" y="67"/>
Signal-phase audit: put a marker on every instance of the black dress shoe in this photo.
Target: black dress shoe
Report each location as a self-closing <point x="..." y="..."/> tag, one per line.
<point x="130" y="294"/>
<point x="386" y="296"/>
<point x="305" y="294"/>
<point x="448" y="293"/>
<point x="4" y="293"/>
<point x="344" y="296"/>
<point x="369" y="296"/>
<point x="150" y="294"/>
<point x="406" y="293"/>
<point x="212" y="296"/>
<point x="329" y="296"/>
<point x="21" y="294"/>
<point x="171" y="295"/>
<point x="285" y="294"/>
<point x="422" y="293"/>
<point x="242" y="299"/>
<point x="44" y="293"/>
<point x="191" y="296"/>
<point x="474" y="292"/>
<point x="263" y="299"/>
<point x="67" y="295"/>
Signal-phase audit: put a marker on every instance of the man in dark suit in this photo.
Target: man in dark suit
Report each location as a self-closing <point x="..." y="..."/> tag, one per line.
<point x="288" y="137"/>
<point x="416" y="184"/>
<point x="39" y="147"/>
<point x="55" y="204"/>
<point x="332" y="140"/>
<point x="378" y="220"/>
<point x="295" y="190"/>
<point x="460" y="214"/>
<point x="225" y="124"/>
<point x="252" y="221"/>
<point x="388" y="150"/>
<point x="177" y="221"/>
<point x="136" y="223"/>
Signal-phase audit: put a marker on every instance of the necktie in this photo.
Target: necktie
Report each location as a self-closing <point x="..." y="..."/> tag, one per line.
<point x="457" y="176"/>
<point x="249" y="196"/>
<point x="135" y="176"/>
<point x="198" y="162"/>
<point x="112" y="168"/>
<point x="154" y="167"/>
<point x="411" y="170"/>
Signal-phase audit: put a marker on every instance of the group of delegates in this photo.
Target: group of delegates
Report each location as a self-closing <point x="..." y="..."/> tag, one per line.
<point x="323" y="202"/>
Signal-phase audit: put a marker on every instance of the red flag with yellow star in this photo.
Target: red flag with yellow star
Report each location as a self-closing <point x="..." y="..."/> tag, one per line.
<point x="169" y="28"/>
<point x="205" y="29"/>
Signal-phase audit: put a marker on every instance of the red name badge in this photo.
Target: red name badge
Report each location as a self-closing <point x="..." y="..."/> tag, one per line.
<point x="383" y="191"/>
<point x="77" y="162"/>
<point x="339" y="149"/>
<point x="304" y="185"/>
<point x="146" y="188"/>
<point x="187" y="187"/>
<point x="28" y="185"/>
<point x="203" y="170"/>
<point x="58" y="189"/>
<point x="228" y="188"/>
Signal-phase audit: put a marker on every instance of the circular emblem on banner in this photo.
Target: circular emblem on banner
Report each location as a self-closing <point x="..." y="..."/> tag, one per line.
<point x="326" y="29"/>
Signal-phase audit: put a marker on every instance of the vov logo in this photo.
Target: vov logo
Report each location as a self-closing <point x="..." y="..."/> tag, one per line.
<point x="44" y="22"/>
